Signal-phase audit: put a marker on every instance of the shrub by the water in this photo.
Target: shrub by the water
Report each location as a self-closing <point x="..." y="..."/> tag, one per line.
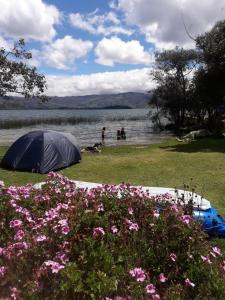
<point x="61" y="242"/>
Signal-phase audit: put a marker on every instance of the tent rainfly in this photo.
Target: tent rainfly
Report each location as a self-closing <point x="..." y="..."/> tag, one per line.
<point x="42" y="151"/>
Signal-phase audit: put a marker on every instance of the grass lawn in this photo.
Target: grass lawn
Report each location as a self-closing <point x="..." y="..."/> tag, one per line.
<point x="200" y="164"/>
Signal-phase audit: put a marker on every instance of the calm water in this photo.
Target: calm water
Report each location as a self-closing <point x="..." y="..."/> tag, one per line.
<point x="136" y="122"/>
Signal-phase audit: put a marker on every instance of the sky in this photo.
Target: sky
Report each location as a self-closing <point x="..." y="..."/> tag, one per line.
<point x="101" y="47"/>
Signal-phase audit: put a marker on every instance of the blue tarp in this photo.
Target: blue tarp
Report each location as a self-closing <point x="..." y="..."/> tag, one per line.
<point x="212" y="222"/>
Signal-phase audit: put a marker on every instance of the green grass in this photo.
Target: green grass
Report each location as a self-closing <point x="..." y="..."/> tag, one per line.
<point x="200" y="164"/>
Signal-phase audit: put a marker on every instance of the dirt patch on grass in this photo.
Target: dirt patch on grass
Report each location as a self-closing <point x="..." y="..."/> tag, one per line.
<point x="140" y="147"/>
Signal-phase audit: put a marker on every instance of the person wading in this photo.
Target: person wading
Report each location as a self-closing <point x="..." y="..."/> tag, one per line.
<point x="103" y="133"/>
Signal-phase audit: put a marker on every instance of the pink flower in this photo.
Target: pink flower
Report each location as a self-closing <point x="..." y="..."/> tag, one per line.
<point x="58" y="191"/>
<point x="98" y="231"/>
<point x="65" y="230"/>
<point x="186" y="219"/>
<point x="114" y="229"/>
<point x="90" y="194"/>
<point x="173" y="256"/>
<point x="49" y="262"/>
<point x="55" y="267"/>
<point x="13" y="191"/>
<point x="217" y="251"/>
<point x="113" y="189"/>
<point x="2" y="271"/>
<point x="64" y="206"/>
<point x="68" y="194"/>
<point x="156" y="297"/>
<point x="150" y="289"/>
<point x="15" y="224"/>
<point x="19" y="235"/>
<point x="63" y="222"/>
<point x="174" y="208"/>
<point x="21" y="245"/>
<point x="14" y="293"/>
<point x="206" y="259"/>
<point x="132" y="226"/>
<point x="162" y="278"/>
<point x="41" y="238"/>
<point x="138" y="274"/>
<point x="62" y="257"/>
<point x="213" y="254"/>
<point x="13" y="203"/>
<point x="51" y="214"/>
<point x="130" y="211"/>
<point x="189" y="283"/>
<point x="100" y="207"/>
<point x="156" y="214"/>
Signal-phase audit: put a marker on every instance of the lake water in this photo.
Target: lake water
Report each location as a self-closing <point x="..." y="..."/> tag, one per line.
<point x="138" y="127"/>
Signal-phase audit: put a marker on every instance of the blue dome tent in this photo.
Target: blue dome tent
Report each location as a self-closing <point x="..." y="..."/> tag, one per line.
<point x="42" y="151"/>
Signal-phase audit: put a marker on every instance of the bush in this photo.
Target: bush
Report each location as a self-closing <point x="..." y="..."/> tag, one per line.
<point x="62" y="242"/>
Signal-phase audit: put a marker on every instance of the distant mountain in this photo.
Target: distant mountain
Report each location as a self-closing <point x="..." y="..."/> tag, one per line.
<point x="123" y="100"/>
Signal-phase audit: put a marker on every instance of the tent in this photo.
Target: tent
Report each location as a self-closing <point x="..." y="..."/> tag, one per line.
<point x="42" y="151"/>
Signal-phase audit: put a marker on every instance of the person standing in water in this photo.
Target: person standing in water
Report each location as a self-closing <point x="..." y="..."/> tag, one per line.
<point x="118" y="135"/>
<point x="123" y="134"/>
<point x="103" y="133"/>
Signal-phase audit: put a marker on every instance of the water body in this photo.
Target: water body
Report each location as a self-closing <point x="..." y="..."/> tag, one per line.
<point x="87" y="130"/>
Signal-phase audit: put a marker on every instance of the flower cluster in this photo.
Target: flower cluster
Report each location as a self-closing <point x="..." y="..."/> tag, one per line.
<point x="110" y="242"/>
<point x="138" y="274"/>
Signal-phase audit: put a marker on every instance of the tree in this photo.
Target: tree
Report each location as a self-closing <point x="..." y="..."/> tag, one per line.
<point x="191" y="83"/>
<point x="173" y="68"/>
<point x="208" y="97"/>
<point x="18" y="78"/>
<point x="209" y="80"/>
<point x="212" y="47"/>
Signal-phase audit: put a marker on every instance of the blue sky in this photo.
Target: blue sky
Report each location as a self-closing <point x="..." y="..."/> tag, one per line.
<point x="97" y="46"/>
<point x="87" y="64"/>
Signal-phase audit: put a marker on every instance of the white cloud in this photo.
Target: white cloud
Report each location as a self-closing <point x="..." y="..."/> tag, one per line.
<point x="113" y="4"/>
<point x="78" y="21"/>
<point x="115" y="50"/>
<point x="137" y="80"/>
<point x="7" y="45"/>
<point x="62" y="53"/>
<point x="94" y="23"/>
<point x="30" y="19"/>
<point x="162" y="20"/>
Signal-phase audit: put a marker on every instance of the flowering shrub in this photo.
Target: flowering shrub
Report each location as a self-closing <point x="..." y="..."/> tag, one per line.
<point x="62" y="242"/>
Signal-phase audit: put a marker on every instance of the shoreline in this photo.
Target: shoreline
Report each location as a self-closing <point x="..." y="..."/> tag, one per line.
<point x="120" y="143"/>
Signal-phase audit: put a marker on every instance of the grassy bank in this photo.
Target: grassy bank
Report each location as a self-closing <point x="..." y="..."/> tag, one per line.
<point x="200" y="164"/>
